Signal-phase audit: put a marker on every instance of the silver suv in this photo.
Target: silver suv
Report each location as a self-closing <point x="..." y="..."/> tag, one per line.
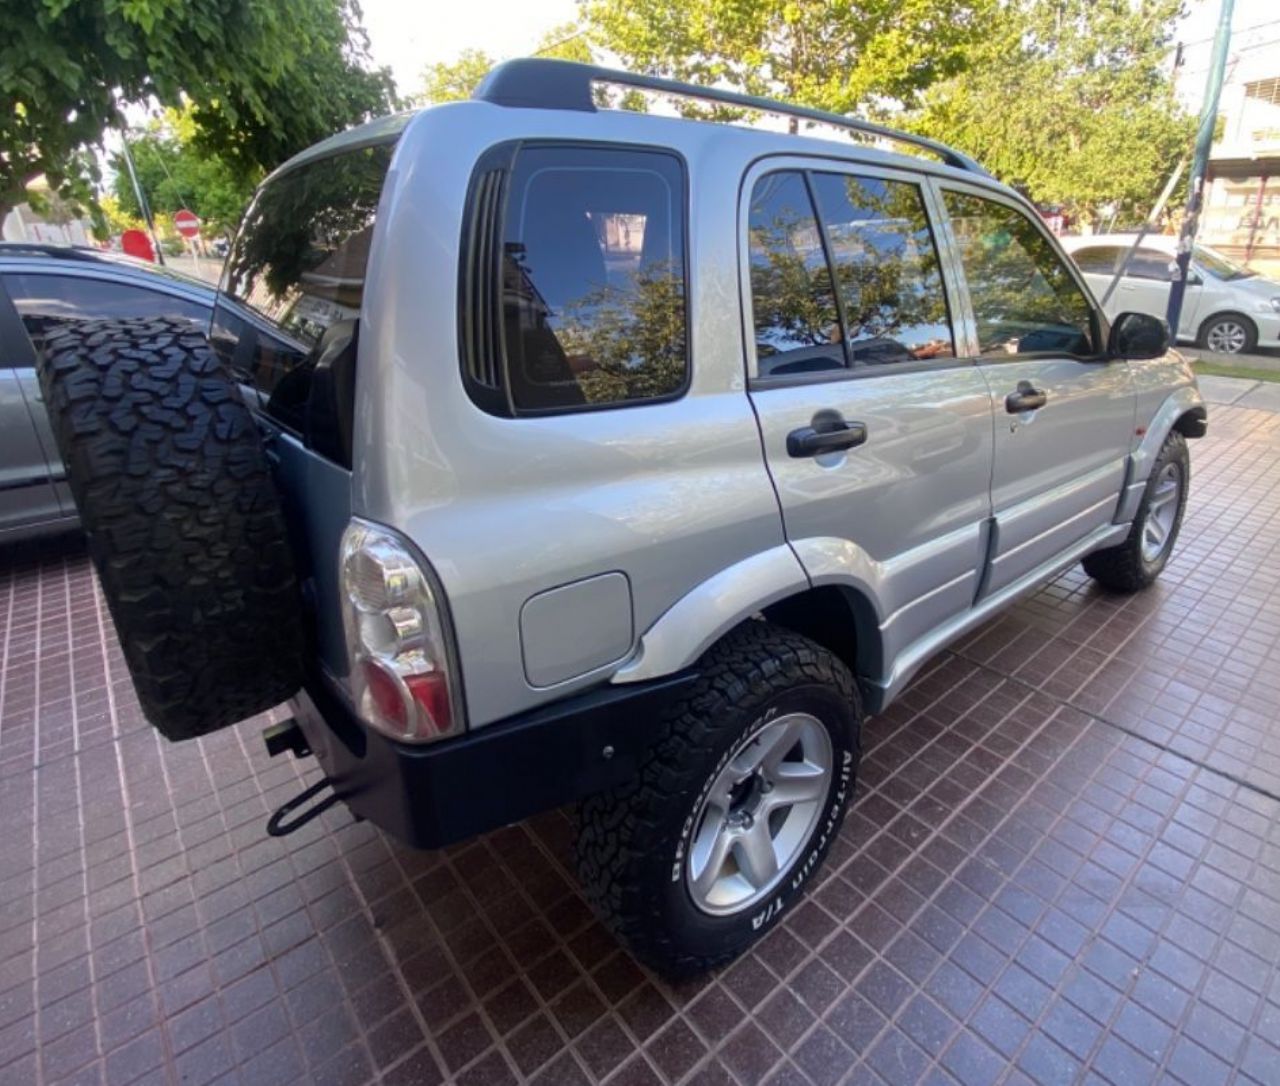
<point x="611" y="459"/>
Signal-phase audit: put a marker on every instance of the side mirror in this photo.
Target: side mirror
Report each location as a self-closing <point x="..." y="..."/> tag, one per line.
<point x="1136" y="336"/>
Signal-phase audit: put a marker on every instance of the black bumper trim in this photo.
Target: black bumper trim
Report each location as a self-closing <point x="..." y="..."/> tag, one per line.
<point x="435" y="795"/>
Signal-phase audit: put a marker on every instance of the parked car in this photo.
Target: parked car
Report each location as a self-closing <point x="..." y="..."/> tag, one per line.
<point x="1226" y="307"/>
<point x="622" y="461"/>
<point x="42" y="287"/>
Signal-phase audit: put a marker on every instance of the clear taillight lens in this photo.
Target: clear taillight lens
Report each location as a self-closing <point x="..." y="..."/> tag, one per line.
<point x="396" y="641"/>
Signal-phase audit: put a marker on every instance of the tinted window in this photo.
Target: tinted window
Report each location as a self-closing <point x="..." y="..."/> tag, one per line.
<point x="1150" y="264"/>
<point x="1023" y="296"/>
<point x="793" y="301"/>
<point x="1099" y="259"/>
<point x="593" y="278"/>
<point x="296" y="271"/>
<point x="45" y="301"/>
<point x="886" y="265"/>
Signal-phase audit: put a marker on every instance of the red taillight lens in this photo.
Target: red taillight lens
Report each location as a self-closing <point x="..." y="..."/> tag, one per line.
<point x="400" y="677"/>
<point x="431" y="694"/>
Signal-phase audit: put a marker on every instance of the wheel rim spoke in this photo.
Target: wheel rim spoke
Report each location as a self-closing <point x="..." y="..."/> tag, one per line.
<point x="767" y="751"/>
<point x="707" y="858"/>
<point x="796" y="782"/>
<point x="755" y="854"/>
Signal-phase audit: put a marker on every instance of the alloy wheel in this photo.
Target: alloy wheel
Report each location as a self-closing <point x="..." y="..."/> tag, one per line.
<point x="1162" y="511"/>
<point x="1227" y="337"/>
<point x="759" y="815"/>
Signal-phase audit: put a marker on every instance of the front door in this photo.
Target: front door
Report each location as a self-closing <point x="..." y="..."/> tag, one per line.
<point x="27" y="495"/>
<point x="878" y="438"/>
<point x="1064" y="414"/>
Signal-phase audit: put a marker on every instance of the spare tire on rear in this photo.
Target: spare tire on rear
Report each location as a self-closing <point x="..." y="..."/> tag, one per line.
<point x="184" y="523"/>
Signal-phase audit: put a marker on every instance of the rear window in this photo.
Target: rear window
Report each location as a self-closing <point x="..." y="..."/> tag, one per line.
<point x="583" y="303"/>
<point x="294" y="280"/>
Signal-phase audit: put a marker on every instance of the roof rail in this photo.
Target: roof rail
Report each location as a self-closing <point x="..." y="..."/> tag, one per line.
<point x="540" y="83"/>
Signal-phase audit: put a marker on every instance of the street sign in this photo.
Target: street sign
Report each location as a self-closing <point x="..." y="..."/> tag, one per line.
<point x="186" y="223"/>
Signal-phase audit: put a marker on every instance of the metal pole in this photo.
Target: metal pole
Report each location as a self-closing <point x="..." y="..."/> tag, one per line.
<point x="143" y="206"/>
<point x="1150" y="221"/>
<point x="1200" y="163"/>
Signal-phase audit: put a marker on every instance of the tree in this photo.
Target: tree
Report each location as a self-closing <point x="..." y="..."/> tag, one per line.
<point x="174" y="173"/>
<point x="848" y="55"/>
<point x="265" y="78"/>
<point x="453" y="81"/>
<point x="1072" y="101"/>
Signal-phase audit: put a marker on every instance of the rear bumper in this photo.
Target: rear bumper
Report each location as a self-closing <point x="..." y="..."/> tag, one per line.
<point x="434" y="795"/>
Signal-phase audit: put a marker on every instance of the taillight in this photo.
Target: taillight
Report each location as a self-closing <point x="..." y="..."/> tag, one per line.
<point x="396" y="642"/>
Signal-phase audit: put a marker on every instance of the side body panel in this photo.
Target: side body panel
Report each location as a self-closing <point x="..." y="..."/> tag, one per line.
<point x="666" y="494"/>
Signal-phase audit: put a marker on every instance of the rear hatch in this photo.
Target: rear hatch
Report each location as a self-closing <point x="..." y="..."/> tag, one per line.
<point x="287" y="325"/>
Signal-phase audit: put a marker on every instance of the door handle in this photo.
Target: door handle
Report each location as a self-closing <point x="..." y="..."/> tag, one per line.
<point x="828" y="433"/>
<point x="1027" y="398"/>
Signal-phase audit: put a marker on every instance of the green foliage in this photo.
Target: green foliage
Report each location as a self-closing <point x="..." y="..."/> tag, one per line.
<point x="1072" y="101"/>
<point x="842" y="55"/>
<point x="174" y="173"/>
<point x="453" y="81"/>
<point x="266" y="78"/>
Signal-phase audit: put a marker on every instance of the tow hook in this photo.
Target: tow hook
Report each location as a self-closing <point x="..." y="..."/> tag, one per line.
<point x="276" y="824"/>
<point x="288" y="737"/>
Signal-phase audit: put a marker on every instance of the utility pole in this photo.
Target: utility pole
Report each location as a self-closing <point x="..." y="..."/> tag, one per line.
<point x="143" y="206"/>
<point x="1200" y="163"/>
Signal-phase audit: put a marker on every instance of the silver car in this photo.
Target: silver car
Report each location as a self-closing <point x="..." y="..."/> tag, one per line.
<point x="617" y="460"/>
<point x="41" y="287"/>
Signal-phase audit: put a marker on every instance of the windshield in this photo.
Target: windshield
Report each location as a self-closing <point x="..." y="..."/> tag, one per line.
<point x="1218" y="265"/>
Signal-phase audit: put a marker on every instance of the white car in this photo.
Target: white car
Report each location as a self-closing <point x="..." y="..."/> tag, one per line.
<point x="1226" y="308"/>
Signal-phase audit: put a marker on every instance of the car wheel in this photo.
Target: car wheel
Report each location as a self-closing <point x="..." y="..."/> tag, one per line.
<point x="184" y="523"/>
<point x="1229" y="333"/>
<point x="1138" y="561"/>
<point x="735" y="808"/>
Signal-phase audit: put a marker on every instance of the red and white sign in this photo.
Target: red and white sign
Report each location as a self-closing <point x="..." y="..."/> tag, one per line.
<point x="186" y="223"/>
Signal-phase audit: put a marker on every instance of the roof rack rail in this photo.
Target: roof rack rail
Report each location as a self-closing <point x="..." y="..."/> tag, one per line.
<point x="540" y="83"/>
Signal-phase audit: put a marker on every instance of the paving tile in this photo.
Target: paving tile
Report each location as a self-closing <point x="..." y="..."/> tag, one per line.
<point x="1062" y="864"/>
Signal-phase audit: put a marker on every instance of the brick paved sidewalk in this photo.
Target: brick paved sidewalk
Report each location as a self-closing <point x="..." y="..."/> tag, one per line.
<point x="1063" y="864"/>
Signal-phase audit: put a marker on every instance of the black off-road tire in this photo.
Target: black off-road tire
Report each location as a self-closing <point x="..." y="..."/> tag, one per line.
<point x="184" y="524"/>
<point x="632" y="841"/>
<point x="1123" y="568"/>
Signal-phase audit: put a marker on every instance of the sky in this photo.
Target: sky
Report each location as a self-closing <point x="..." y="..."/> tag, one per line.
<point x="408" y="35"/>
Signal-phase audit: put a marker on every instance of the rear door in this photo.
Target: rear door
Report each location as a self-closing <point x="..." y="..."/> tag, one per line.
<point x="878" y="437"/>
<point x="1064" y="414"/>
<point x="46" y="299"/>
<point x="27" y="494"/>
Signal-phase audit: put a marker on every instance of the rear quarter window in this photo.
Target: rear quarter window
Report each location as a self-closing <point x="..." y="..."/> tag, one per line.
<point x="294" y="280"/>
<point x="585" y="294"/>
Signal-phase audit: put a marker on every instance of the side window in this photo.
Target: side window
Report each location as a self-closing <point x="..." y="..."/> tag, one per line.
<point x="793" y="300"/>
<point x="294" y="280"/>
<point x="886" y="265"/>
<point x="44" y="301"/>
<point x="1024" y="299"/>
<point x="592" y="278"/>
<point x="1151" y="264"/>
<point x="1098" y="259"/>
